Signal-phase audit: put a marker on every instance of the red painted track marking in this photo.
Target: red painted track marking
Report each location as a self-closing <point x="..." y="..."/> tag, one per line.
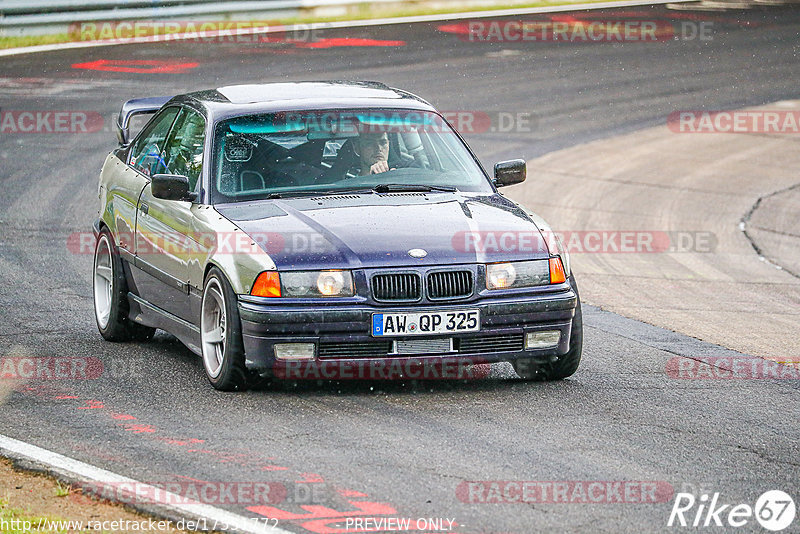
<point x="139" y="429"/>
<point x="347" y="41"/>
<point x="274" y="468"/>
<point x="310" y="478"/>
<point x="138" y="66"/>
<point x="92" y="405"/>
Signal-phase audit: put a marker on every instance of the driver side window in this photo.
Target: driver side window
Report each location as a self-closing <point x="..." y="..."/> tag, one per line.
<point x="148" y="151"/>
<point x="183" y="153"/>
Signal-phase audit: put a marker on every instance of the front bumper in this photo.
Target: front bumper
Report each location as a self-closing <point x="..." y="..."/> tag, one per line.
<point x="341" y="333"/>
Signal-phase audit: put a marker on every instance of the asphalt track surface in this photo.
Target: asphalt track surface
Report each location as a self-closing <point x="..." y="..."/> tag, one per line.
<point x="152" y="416"/>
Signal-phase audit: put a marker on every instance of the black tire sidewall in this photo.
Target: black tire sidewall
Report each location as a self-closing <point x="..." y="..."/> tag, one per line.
<point x="232" y="375"/>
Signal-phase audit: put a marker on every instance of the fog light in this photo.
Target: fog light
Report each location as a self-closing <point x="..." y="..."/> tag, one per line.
<point x="294" y="351"/>
<point x="546" y="339"/>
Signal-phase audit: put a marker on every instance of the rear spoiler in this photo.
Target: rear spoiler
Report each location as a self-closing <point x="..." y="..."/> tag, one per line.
<point x="137" y="106"/>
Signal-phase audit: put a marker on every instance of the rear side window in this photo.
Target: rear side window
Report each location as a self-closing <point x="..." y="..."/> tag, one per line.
<point x="184" y="148"/>
<point x="147" y="155"/>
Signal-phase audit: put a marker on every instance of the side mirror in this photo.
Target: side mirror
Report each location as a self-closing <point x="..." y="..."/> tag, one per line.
<point x="171" y="187"/>
<point x="123" y="134"/>
<point x="509" y="172"/>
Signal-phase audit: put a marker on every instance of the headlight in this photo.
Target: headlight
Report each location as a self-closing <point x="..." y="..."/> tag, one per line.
<point x="317" y="284"/>
<point x="517" y="274"/>
<point x="500" y="275"/>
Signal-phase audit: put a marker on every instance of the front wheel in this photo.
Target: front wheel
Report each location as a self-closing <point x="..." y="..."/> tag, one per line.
<point x="221" y="332"/>
<point x="566" y="365"/>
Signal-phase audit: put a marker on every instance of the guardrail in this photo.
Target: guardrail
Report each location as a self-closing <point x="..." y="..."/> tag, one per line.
<point x="20" y="17"/>
<point x="38" y="17"/>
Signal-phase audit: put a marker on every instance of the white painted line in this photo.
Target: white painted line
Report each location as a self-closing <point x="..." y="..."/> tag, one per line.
<point x="57" y="463"/>
<point x="339" y="24"/>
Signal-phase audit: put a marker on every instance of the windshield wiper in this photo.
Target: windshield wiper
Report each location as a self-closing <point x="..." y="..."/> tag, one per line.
<point x="380" y="188"/>
<point x="312" y="193"/>
<point x="414" y="188"/>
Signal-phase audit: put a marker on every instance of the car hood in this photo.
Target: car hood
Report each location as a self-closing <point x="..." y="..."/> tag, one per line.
<point x="379" y="230"/>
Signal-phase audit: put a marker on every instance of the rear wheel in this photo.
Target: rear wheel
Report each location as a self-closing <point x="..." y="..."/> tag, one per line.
<point x="110" y="291"/>
<point x="221" y="332"/>
<point x="566" y="365"/>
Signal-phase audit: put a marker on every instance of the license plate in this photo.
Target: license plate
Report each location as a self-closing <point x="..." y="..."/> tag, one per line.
<point x="425" y="323"/>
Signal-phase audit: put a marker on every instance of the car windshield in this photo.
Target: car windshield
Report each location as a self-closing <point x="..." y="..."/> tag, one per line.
<point x="324" y="152"/>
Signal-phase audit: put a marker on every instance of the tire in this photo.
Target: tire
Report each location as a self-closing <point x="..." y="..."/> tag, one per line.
<point x="221" y="335"/>
<point x="566" y="365"/>
<point x="110" y="294"/>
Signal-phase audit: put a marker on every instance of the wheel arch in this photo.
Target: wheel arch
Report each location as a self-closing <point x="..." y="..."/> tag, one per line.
<point x="239" y="267"/>
<point x="240" y="275"/>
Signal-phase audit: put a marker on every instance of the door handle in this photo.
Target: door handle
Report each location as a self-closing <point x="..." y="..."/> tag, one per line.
<point x="144" y="207"/>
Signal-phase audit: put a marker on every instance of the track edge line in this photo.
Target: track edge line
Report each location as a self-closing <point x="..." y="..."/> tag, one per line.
<point x="71" y="471"/>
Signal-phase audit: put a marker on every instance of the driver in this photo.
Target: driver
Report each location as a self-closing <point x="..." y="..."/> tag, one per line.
<point x="372" y="150"/>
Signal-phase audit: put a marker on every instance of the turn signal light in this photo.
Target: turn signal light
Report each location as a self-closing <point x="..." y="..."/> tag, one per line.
<point x="268" y="284"/>
<point x="557" y="275"/>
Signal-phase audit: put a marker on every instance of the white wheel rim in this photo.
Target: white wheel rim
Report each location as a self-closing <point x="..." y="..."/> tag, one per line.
<point x="213" y="324"/>
<point x="103" y="281"/>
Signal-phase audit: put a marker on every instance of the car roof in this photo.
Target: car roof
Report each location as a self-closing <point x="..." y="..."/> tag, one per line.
<point x="234" y="100"/>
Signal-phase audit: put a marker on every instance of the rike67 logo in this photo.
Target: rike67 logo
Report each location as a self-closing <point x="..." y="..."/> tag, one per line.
<point x="774" y="510"/>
